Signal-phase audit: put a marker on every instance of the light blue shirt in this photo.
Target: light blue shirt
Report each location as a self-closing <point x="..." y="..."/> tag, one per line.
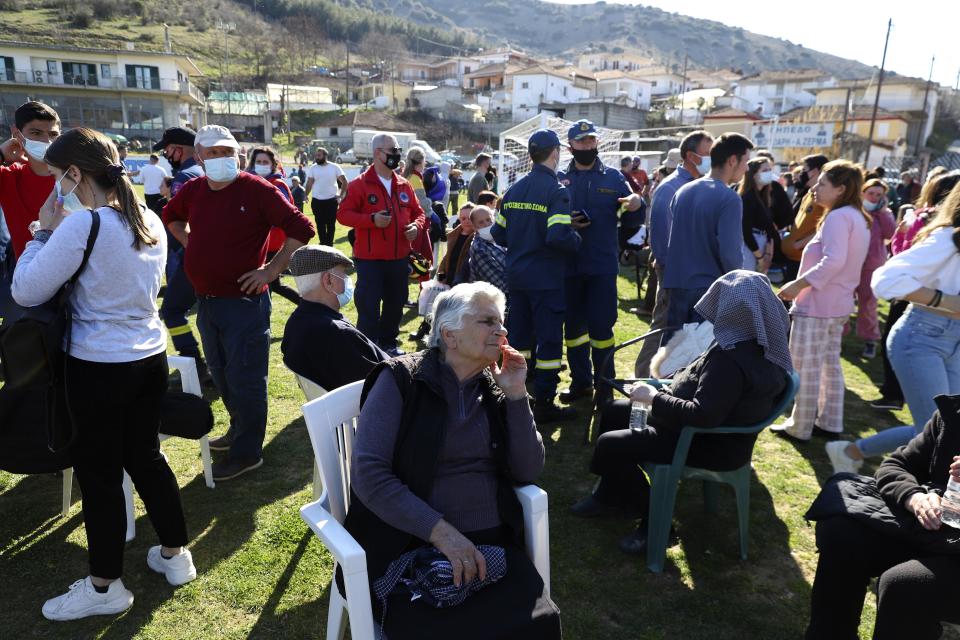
<point x="661" y="217"/>
<point x="706" y="235"/>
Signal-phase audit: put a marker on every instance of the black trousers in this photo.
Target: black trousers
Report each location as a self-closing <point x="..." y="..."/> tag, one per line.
<point x="155" y="202"/>
<point x="915" y="591"/>
<point x="325" y="213"/>
<point x="618" y="453"/>
<point x="891" y="386"/>
<point x="116" y="409"/>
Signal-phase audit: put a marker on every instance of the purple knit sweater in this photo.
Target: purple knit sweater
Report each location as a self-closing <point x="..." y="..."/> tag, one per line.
<point x="465" y="490"/>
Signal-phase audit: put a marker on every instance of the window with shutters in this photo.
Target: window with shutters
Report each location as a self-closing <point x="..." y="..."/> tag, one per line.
<point x="143" y="77"/>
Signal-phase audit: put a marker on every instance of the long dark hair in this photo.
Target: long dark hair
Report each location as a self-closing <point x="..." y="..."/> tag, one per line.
<point x="270" y="153"/>
<point x="948" y="215"/>
<point x="748" y="183"/>
<point x="96" y="157"/>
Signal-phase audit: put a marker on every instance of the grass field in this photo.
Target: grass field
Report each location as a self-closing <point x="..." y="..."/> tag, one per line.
<point x="263" y="575"/>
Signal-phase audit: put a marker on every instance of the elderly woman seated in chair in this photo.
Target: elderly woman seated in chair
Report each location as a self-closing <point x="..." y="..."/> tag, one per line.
<point x="443" y="437"/>
<point x="737" y="381"/>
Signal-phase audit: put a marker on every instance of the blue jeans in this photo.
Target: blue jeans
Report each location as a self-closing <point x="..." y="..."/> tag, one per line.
<point x="236" y="340"/>
<point x="924" y="350"/>
<point x="381" y="281"/>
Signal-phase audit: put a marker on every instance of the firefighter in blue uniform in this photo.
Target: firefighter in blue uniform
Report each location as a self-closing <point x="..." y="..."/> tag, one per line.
<point x="534" y="224"/>
<point x="597" y="193"/>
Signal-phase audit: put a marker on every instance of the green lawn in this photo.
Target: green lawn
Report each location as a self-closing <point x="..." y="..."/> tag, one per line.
<point x="263" y="575"/>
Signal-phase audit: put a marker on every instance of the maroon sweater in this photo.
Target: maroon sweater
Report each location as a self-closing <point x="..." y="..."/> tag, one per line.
<point x="229" y="229"/>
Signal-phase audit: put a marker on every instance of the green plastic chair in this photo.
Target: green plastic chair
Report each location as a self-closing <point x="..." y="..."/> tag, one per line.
<point x="665" y="479"/>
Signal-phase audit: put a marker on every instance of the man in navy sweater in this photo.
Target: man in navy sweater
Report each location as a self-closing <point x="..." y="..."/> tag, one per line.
<point x="706" y="234"/>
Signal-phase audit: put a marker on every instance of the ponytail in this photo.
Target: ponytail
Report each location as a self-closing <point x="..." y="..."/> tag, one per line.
<point x="131" y="209"/>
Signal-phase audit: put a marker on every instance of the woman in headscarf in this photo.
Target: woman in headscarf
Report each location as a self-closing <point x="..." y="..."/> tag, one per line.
<point x="737" y="381"/>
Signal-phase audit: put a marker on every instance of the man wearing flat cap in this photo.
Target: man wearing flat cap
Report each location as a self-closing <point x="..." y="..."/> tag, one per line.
<point x="534" y="224"/>
<point x="318" y="342"/>
<point x="223" y="221"/>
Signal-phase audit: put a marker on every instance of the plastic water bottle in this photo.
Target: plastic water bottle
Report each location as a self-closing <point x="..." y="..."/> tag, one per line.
<point x="638" y="421"/>
<point x="950" y="504"/>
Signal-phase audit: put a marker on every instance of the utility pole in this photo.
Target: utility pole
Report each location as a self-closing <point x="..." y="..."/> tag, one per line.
<point x="346" y="77"/>
<point x="876" y="100"/>
<point x="843" y="127"/>
<point x="683" y="86"/>
<point x="923" y="118"/>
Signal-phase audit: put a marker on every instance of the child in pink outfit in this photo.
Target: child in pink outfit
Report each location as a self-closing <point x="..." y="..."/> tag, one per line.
<point x="882" y="229"/>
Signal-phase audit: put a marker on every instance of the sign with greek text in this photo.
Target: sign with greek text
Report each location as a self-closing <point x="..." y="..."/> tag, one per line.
<point x="787" y="134"/>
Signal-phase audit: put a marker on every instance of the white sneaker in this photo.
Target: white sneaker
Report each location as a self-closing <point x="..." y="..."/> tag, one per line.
<point x="179" y="569"/>
<point x="837" y="452"/>
<point x="82" y="600"/>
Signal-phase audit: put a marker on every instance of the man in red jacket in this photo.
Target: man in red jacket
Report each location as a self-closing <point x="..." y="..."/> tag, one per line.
<point x="25" y="181"/>
<point x="223" y="220"/>
<point x="383" y="209"/>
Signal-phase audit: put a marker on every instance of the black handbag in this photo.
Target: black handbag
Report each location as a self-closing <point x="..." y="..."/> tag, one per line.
<point x="32" y="338"/>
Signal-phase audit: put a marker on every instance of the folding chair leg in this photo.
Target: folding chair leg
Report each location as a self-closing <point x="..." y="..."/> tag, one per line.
<point x="128" y="499"/>
<point x="663" y="493"/>
<point x="336" y="617"/>
<point x="317" y="481"/>
<point x="711" y="496"/>
<point x="742" y="490"/>
<point x="207" y="463"/>
<point x="67" y="492"/>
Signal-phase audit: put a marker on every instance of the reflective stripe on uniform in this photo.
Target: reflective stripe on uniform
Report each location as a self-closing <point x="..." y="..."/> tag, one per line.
<point x="526" y="354"/>
<point x="501" y="220"/>
<point x="558" y="218"/>
<point x="178" y="331"/>
<point x="602" y="344"/>
<point x="576" y="342"/>
<point x="548" y="364"/>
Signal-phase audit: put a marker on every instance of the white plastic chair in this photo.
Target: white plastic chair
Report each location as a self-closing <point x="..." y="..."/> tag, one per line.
<point x="190" y="383"/>
<point x="331" y="423"/>
<point x="311" y="391"/>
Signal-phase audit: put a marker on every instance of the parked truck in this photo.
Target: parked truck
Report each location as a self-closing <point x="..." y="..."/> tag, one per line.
<point x="363" y="139"/>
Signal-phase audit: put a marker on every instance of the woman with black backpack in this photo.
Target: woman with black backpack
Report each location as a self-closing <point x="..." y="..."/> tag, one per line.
<point x="116" y="366"/>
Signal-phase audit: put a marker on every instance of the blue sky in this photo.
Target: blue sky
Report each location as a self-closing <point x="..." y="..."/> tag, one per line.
<point x="850" y="29"/>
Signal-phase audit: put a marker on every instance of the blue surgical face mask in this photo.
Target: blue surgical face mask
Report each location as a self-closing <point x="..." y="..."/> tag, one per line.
<point x="221" y="169"/>
<point x="347" y="295"/>
<point x="764" y="177"/>
<point x="70" y="202"/>
<point x="704" y="167"/>
<point x="263" y="170"/>
<point x="870" y="206"/>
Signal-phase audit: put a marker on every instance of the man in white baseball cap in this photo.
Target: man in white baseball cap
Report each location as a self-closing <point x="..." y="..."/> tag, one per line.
<point x="223" y="221"/>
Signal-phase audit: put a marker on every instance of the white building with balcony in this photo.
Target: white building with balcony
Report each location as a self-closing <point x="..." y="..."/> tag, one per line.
<point x="133" y="93"/>
<point x="777" y="92"/>
<point x="539" y="84"/>
<point x="623" y="84"/>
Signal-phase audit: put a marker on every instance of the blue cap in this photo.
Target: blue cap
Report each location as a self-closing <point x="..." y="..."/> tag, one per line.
<point x="581" y="129"/>
<point x="543" y="139"/>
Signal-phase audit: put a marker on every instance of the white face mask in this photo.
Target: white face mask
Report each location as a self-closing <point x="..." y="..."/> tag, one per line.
<point x="35" y="149"/>
<point x="486" y="233"/>
<point x="764" y="177"/>
<point x="70" y="202"/>
<point x="870" y="206"/>
<point x="704" y="167"/>
<point x="263" y="169"/>
<point x="221" y="169"/>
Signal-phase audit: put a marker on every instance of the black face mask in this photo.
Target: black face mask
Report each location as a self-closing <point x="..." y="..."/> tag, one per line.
<point x="392" y="160"/>
<point x="804" y="179"/>
<point x="585" y="157"/>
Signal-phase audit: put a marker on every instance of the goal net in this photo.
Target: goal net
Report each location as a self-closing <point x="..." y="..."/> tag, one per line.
<point x="513" y="162"/>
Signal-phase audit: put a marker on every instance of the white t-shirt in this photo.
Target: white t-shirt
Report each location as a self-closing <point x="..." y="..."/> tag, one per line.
<point x="324" y="178"/>
<point x="153" y="175"/>
<point x="387" y="183"/>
